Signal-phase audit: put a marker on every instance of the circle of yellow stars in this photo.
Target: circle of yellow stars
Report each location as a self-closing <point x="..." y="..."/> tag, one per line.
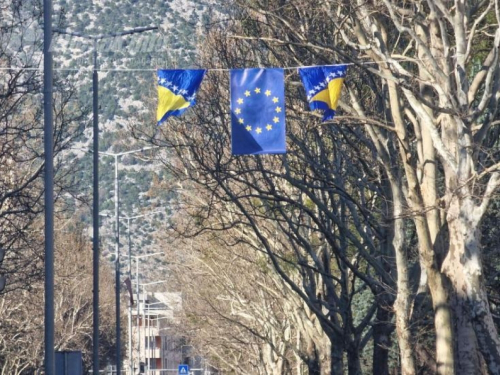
<point x="258" y="129"/>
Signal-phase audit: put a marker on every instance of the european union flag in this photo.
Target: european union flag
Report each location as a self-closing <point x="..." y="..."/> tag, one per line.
<point x="323" y="85"/>
<point x="176" y="91"/>
<point x="258" y="111"/>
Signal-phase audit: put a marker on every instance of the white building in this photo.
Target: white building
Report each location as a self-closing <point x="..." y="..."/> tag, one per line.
<point x="154" y="344"/>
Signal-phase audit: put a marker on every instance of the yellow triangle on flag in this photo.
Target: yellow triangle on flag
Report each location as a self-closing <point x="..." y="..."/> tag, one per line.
<point x="168" y="101"/>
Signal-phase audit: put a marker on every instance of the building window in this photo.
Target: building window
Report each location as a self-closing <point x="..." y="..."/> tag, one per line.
<point x="149" y="342"/>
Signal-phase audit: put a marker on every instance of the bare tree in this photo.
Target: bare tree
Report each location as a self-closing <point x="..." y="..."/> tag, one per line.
<point x="236" y="303"/>
<point x="21" y="132"/>
<point x="431" y="80"/>
<point x="21" y="327"/>
<point x="319" y="230"/>
<point x="413" y="153"/>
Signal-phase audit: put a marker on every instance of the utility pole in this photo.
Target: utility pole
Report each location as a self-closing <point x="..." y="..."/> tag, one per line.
<point x="95" y="184"/>
<point x="49" y="360"/>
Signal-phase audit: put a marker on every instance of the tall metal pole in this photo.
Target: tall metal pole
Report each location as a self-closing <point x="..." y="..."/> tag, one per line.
<point x="47" y="4"/>
<point x="49" y="360"/>
<point x="131" y="362"/>
<point x="117" y="271"/>
<point x="95" y="217"/>
<point x="138" y="318"/>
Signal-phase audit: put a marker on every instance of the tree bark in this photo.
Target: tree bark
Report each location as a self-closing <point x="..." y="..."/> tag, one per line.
<point x="403" y="302"/>
<point x="382" y="329"/>
<point x="440" y="298"/>
<point x="475" y="328"/>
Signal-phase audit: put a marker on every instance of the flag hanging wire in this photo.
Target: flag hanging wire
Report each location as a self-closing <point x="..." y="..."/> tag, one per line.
<point x="208" y="69"/>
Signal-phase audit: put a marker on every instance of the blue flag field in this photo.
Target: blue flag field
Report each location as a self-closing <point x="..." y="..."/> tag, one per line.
<point x="258" y="111"/>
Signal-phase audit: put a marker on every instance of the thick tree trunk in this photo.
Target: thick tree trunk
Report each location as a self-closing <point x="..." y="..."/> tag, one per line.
<point x="466" y="344"/>
<point x="475" y="329"/>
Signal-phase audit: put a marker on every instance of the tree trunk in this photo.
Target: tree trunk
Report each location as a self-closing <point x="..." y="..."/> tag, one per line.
<point x="440" y="296"/>
<point x="353" y="363"/>
<point x="313" y="366"/>
<point x="403" y="302"/>
<point x="445" y="359"/>
<point x="475" y="328"/>
<point x="382" y="329"/>
<point x="337" y="363"/>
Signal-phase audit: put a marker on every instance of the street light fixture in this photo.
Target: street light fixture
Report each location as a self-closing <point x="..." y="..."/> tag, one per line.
<point x="95" y="214"/>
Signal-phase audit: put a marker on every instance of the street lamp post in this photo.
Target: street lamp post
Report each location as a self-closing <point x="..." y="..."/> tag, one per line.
<point x="48" y="140"/>
<point x="117" y="248"/>
<point x="95" y="214"/>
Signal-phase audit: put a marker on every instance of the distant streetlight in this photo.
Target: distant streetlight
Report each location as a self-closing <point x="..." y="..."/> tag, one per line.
<point x="95" y="213"/>
<point x="117" y="247"/>
<point x="129" y="271"/>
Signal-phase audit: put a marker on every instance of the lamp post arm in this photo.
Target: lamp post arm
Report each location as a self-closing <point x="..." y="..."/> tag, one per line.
<point x="104" y="36"/>
<point x="145" y="256"/>
<point x="148" y="214"/>
<point x="154" y="282"/>
<point x="127" y="32"/>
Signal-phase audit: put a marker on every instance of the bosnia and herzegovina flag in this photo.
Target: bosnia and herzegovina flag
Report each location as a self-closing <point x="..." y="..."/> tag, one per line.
<point x="176" y="91"/>
<point x="258" y="111"/>
<point x="323" y="85"/>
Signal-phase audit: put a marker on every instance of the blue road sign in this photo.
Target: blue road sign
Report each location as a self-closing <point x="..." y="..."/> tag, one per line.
<point x="183" y="370"/>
